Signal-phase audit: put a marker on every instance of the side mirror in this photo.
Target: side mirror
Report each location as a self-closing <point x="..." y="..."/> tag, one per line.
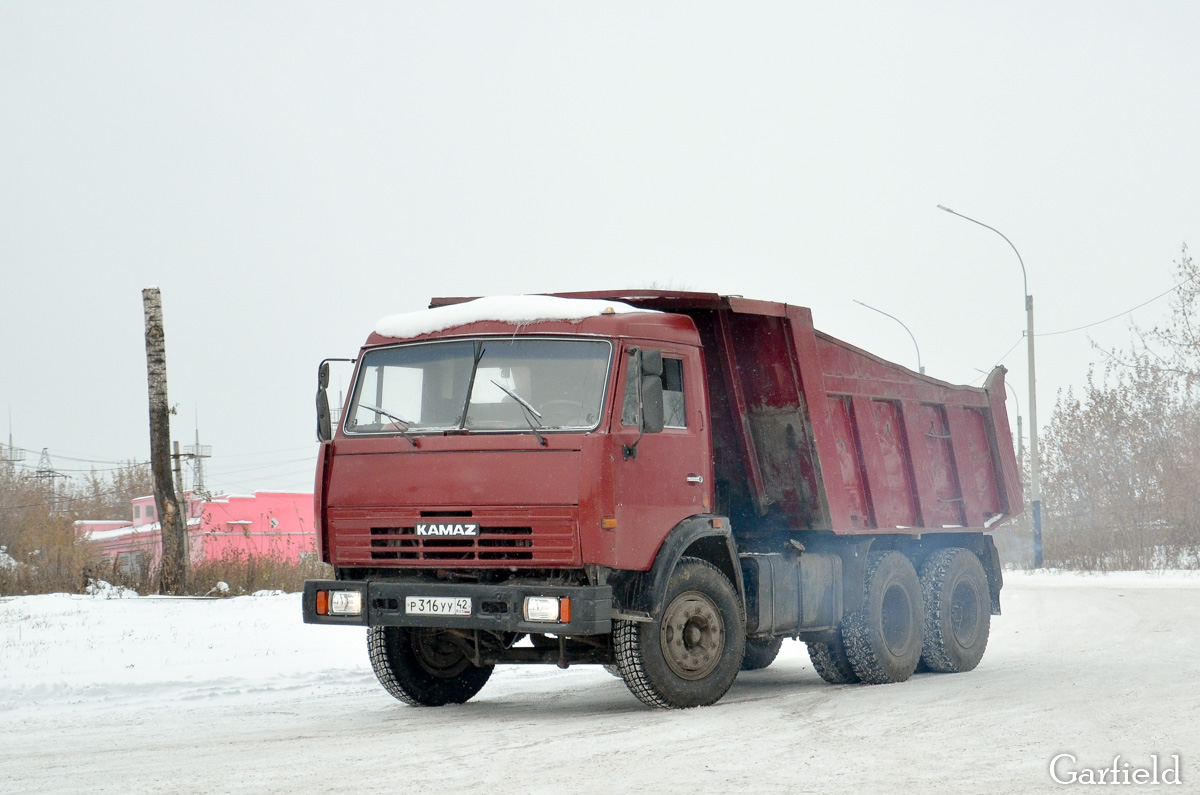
<point x="324" y="418"/>
<point x="324" y="427"/>
<point x="651" y="361"/>
<point x="652" y="413"/>
<point x="647" y="367"/>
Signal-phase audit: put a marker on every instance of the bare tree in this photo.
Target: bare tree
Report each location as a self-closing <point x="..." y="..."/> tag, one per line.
<point x="171" y="516"/>
<point x="1122" y="459"/>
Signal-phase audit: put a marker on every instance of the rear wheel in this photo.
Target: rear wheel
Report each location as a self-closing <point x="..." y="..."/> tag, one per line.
<point x="690" y="655"/>
<point x="958" y="611"/>
<point x="883" y="640"/>
<point x="424" y="667"/>
<point x="761" y="653"/>
<point x="829" y="659"/>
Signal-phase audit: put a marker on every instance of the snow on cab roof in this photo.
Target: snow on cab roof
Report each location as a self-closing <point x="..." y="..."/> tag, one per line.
<point x="516" y="309"/>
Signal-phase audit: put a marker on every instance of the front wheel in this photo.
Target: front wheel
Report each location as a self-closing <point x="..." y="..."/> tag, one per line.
<point x="691" y="654"/>
<point x="424" y="667"/>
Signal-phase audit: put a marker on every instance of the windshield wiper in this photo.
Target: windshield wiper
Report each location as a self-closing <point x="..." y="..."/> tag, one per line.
<point x="525" y="404"/>
<point x="477" y="357"/>
<point x="402" y="424"/>
<point x="520" y="400"/>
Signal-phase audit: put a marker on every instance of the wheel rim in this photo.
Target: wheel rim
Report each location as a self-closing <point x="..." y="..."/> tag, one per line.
<point x="692" y="635"/>
<point x="896" y="617"/>
<point x="964" y="614"/>
<point x="437" y="653"/>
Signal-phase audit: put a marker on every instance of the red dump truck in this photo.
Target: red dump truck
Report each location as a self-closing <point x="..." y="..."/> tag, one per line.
<point x="664" y="483"/>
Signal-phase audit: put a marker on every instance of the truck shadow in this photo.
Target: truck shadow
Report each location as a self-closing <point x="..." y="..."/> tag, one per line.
<point x="583" y="694"/>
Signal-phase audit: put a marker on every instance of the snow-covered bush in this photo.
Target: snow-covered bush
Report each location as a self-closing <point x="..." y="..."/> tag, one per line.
<point x="106" y="590"/>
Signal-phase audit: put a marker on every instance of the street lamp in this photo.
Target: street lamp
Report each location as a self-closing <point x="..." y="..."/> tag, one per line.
<point x="1035" y="482"/>
<point x="920" y="367"/>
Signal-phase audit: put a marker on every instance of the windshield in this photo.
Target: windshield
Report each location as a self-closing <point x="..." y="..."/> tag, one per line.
<point x="514" y="384"/>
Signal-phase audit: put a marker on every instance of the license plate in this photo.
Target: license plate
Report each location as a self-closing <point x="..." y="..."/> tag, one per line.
<point x="437" y="605"/>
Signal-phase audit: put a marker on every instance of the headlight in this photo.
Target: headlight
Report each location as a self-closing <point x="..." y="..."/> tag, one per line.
<point x="345" y="603"/>
<point x="548" y="608"/>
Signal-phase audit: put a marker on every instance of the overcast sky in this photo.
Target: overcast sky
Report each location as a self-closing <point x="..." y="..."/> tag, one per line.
<point x="288" y="173"/>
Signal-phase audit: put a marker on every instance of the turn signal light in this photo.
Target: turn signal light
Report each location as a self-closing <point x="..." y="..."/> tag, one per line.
<point x="322" y="603"/>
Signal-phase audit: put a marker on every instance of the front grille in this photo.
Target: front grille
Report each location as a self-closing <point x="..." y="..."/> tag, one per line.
<point x="522" y="536"/>
<point x="492" y="543"/>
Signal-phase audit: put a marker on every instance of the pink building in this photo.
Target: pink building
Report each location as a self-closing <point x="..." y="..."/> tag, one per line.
<point x="264" y="524"/>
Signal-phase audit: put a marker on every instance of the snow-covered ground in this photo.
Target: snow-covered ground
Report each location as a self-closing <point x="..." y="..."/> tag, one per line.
<point x="237" y="695"/>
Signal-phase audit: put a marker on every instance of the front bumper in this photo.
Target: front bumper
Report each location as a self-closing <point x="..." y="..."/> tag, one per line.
<point x="498" y="608"/>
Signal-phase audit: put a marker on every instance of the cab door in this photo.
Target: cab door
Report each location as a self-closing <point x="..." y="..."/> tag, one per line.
<point x="670" y="478"/>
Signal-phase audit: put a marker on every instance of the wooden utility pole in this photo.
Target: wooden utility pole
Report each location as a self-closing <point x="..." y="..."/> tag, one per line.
<point x="173" y="573"/>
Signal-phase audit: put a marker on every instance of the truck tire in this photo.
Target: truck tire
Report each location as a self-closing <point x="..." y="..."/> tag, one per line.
<point x="421" y="667"/>
<point x="958" y="611"/>
<point x="690" y="655"/>
<point x="883" y="640"/>
<point x="761" y="653"/>
<point x="829" y="659"/>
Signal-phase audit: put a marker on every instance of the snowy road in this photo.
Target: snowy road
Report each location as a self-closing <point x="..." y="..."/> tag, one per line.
<point x="154" y="695"/>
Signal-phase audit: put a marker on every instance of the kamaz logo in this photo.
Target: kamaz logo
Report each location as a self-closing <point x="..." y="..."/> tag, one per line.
<point x="441" y="530"/>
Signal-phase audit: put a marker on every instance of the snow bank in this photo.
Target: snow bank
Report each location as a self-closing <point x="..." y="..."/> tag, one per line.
<point x="516" y="309"/>
<point x="1059" y="578"/>
<point x="70" y="654"/>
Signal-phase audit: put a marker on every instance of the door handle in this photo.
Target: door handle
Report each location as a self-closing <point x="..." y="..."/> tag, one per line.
<point x="695" y="478"/>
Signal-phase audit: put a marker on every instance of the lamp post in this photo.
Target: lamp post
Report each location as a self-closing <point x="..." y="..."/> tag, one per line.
<point x="1035" y="482"/>
<point x="920" y="367"/>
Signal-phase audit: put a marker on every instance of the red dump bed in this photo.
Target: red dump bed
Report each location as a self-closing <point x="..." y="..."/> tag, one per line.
<point x="828" y="436"/>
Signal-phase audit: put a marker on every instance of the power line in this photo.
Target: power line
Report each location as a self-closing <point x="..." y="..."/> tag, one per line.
<point x="1089" y="325"/>
<point x="1001" y="359"/>
<point x="1119" y="314"/>
<point x="62" y="457"/>
<point x="92" y="469"/>
<point x="102" y="493"/>
<point x="134" y="462"/>
<point x="266" y="466"/>
<point x="268" y="452"/>
<point x="242" y="489"/>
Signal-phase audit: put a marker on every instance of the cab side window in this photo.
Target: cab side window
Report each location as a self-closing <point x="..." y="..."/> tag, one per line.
<point x="674" y="405"/>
